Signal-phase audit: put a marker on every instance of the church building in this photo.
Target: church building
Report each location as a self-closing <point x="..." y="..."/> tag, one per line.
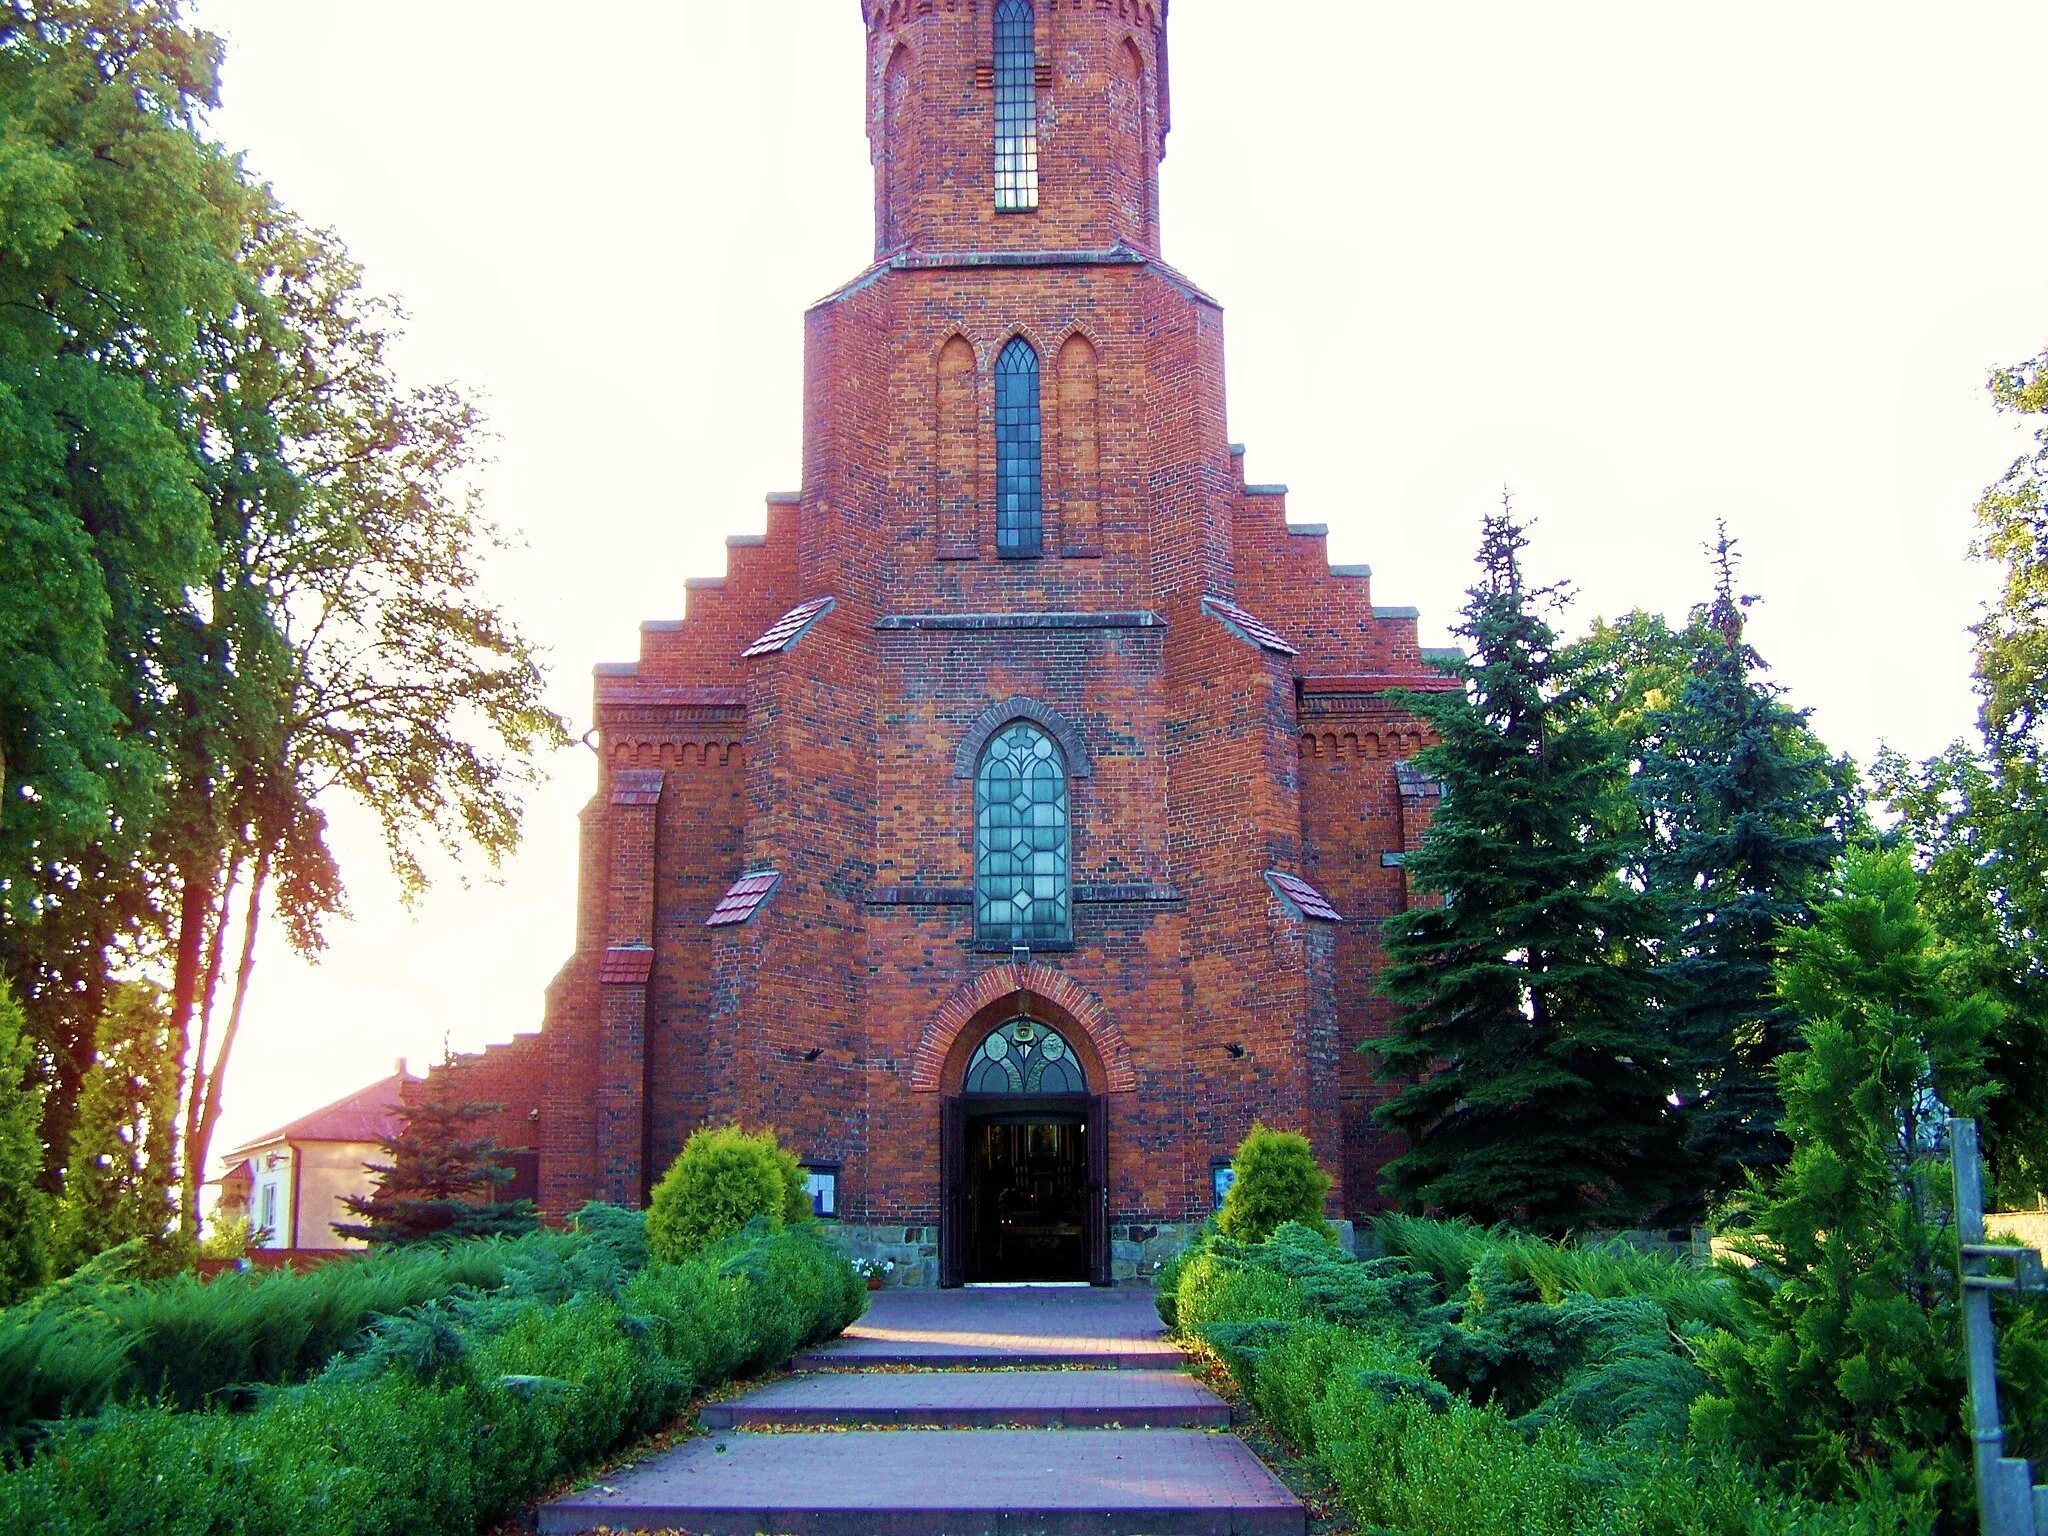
<point x="1010" y="827"/>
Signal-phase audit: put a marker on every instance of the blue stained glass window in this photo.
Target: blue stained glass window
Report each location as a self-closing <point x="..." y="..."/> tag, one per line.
<point x="1020" y="454"/>
<point x="1024" y="1059"/>
<point x="1016" y="108"/>
<point x="1021" y="851"/>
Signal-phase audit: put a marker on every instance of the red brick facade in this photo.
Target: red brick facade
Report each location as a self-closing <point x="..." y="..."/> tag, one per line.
<point x="1218" y="691"/>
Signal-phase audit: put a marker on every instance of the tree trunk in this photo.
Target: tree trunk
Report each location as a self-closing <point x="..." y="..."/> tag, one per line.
<point x="193" y="1097"/>
<point x="199" y="1129"/>
<point x="195" y="908"/>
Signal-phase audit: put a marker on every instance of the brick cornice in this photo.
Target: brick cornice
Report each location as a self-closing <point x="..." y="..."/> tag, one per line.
<point x="1074" y="1004"/>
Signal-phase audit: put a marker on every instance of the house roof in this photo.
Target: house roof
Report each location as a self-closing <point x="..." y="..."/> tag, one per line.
<point x="368" y="1114"/>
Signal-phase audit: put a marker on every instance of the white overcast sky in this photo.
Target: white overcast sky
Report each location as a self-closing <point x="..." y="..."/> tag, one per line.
<point x="1647" y="264"/>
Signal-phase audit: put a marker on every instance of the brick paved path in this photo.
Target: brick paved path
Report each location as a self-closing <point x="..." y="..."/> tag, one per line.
<point x="851" y="1480"/>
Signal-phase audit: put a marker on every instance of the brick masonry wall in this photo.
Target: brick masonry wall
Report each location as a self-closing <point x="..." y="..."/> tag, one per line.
<point x="1203" y="757"/>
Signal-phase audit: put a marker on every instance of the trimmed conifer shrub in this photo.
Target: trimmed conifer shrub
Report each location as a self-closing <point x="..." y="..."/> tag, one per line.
<point x="443" y="1417"/>
<point x="1277" y="1181"/>
<point x="723" y="1179"/>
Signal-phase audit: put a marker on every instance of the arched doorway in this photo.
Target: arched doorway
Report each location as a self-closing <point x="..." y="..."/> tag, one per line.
<point x="1025" y="1164"/>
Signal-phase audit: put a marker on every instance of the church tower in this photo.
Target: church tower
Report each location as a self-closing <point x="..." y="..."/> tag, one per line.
<point x="1076" y="97"/>
<point x="1010" y="826"/>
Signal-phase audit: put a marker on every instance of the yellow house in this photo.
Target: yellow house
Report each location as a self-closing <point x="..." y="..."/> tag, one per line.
<point x="292" y="1182"/>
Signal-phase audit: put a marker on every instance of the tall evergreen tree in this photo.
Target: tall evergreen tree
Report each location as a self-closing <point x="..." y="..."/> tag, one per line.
<point x="442" y="1180"/>
<point x="24" y="1208"/>
<point x="1537" y="1078"/>
<point x="122" y="1162"/>
<point x="1851" y="1366"/>
<point x="1749" y="814"/>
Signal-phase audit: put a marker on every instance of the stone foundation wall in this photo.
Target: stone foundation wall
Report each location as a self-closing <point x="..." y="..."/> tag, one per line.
<point x="910" y="1255"/>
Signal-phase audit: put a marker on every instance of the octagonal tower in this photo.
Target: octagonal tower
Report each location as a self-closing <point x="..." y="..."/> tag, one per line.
<point x="1077" y="91"/>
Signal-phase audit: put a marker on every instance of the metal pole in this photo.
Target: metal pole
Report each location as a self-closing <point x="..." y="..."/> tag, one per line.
<point x="2005" y="1496"/>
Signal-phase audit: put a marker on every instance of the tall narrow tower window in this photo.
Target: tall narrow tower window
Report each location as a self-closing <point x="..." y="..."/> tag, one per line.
<point x="1020" y="454"/>
<point x="1016" y="108"/>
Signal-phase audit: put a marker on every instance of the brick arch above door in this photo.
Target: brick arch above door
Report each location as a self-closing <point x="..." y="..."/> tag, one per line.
<point x="1063" y="1001"/>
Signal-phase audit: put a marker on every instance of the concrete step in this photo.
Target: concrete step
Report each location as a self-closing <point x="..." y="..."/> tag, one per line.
<point x="994" y="1482"/>
<point x="859" y="1355"/>
<point x="1134" y="1399"/>
<point x="994" y="1330"/>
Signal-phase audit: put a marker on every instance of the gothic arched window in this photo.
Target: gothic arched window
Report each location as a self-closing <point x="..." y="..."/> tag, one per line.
<point x="1020" y="454"/>
<point x="1021" y="849"/>
<point x="1024" y="1059"/>
<point x="1016" y="108"/>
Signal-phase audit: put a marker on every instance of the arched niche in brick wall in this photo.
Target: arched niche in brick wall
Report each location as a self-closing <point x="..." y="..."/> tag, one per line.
<point x="1005" y="992"/>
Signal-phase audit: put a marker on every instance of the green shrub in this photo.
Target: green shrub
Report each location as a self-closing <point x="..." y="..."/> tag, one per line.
<point x="457" y="1411"/>
<point x="723" y="1179"/>
<point x="1217" y="1288"/>
<point x="1166" y="1293"/>
<point x="1507" y="1401"/>
<point x="1277" y="1181"/>
<point x="1453" y="1250"/>
<point x="103" y="1336"/>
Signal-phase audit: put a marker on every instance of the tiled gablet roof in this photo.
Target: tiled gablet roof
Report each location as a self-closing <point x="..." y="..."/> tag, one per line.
<point x="1312" y="902"/>
<point x="626" y="965"/>
<point x="637" y="786"/>
<point x="745" y="899"/>
<point x="1257" y="631"/>
<point x="789" y="629"/>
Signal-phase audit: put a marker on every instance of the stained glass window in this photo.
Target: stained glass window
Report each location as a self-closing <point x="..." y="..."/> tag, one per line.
<point x="1024" y="1059"/>
<point x="1016" y="108"/>
<point x="1020" y="454"/>
<point x="1021" y="895"/>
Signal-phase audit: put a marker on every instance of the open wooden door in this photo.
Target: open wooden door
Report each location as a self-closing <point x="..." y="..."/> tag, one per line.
<point x="1098" y="1191"/>
<point x="953" y="1193"/>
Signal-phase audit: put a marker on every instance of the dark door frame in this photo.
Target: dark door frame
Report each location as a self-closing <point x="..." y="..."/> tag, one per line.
<point x="1091" y="1111"/>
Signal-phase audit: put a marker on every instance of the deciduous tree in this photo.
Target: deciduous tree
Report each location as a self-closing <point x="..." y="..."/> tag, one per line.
<point x="1977" y="814"/>
<point x="119" y="226"/>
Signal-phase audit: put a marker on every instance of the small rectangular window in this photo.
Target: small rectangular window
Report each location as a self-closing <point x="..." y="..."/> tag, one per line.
<point x="821" y="1182"/>
<point x="268" y="1220"/>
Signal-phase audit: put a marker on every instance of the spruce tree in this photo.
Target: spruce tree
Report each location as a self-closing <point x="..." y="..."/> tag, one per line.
<point x="442" y="1178"/>
<point x="24" y="1208"/>
<point x="1537" y="1080"/>
<point x="1749" y="815"/>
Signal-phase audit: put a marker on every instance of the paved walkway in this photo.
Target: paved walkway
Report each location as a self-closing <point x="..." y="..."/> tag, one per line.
<point x="1132" y="1447"/>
